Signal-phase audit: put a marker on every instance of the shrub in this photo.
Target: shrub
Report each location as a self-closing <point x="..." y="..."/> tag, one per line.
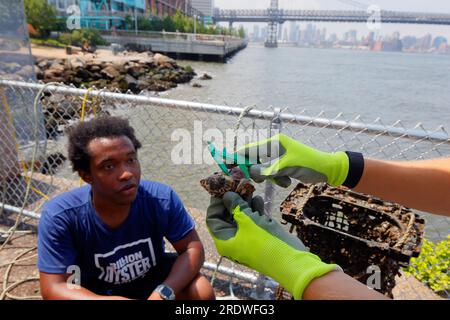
<point x="432" y="265"/>
<point x="48" y="42"/>
<point x="78" y="37"/>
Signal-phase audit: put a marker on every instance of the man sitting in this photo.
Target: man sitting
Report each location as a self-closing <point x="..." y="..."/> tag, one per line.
<point x="105" y="240"/>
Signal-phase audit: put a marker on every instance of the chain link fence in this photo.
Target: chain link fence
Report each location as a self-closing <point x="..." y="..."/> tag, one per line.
<point x="33" y="142"/>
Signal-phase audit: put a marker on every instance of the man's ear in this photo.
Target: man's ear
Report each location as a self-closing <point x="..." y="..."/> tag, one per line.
<point x="86" y="176"/>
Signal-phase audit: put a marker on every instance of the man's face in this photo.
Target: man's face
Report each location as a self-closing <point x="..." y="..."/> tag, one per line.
<point x="115" y="169"/>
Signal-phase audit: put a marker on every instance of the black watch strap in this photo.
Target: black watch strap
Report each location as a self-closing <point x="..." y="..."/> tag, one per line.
<point x="355" y="169"/>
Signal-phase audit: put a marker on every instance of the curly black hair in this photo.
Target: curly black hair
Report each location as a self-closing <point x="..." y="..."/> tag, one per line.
<point x="102" y="127"/>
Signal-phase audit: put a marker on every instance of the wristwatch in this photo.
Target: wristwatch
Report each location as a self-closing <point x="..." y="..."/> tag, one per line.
<point x="165" y="292"/>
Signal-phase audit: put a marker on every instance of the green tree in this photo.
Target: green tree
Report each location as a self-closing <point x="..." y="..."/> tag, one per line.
<point x="180" y="21"/>
<point x="41" y="16"/>
<point x="144" y="24"/>
<point x="168" y="24"/>
<point x="156" y="24"/>
<point x="241" y="32"/>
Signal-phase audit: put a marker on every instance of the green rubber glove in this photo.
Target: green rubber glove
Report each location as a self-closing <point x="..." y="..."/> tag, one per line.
<point x="281" y="158"/>
<point x="247" y="236"/>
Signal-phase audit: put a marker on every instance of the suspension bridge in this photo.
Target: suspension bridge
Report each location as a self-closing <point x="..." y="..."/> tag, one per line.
<point x="275" y="16"/>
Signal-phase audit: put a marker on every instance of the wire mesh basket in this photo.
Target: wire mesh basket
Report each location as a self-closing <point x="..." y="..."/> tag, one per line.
<point x="362" y="234"/>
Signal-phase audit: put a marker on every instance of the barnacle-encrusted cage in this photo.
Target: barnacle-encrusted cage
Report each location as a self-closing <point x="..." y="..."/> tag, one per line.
<point x="362" y="234"/>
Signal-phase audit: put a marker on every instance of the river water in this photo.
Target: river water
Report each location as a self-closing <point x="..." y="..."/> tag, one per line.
<point x="392" y="86"/>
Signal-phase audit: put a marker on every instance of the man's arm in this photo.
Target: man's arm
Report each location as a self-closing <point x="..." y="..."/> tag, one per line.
<point x="191" y="256"/>
<point x="337" y="285"/>
<point x="55" y="287"/>
<point x="422" y="185"/>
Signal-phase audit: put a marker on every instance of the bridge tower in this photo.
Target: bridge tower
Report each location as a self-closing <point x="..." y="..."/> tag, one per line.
<point x="272" y="29"/>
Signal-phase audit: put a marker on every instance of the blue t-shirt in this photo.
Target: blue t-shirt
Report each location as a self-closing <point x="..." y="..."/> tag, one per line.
<point x="111" y="261"/>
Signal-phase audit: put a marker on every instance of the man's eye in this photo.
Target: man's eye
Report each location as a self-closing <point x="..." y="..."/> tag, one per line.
<point x="108" y="167"/>
<point x="133" y="160"/>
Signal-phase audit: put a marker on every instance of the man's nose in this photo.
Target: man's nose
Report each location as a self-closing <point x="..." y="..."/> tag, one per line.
<point x="126" y="174"/>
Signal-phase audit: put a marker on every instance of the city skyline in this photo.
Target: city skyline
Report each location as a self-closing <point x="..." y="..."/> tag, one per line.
<point x="310" y="35"/>
<point x="439" y="6"/>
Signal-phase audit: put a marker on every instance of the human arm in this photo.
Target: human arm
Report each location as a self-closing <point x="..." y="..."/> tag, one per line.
<point x="191" y="256"/>
<point x="422" y="185"/>
<point x="245" y="235"/>
<point x="56" y="287"/>
<point x="339" y="286"/>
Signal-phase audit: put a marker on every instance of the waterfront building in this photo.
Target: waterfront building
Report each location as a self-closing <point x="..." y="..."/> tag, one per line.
<point x="205" y="7"/>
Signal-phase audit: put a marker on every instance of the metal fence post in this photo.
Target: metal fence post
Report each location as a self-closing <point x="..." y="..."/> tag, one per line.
<point x="275" y="127"/>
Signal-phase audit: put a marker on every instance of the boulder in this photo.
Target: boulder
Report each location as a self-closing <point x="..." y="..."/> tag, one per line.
<point x="197" y="85"/>
<point x="110" y="72"/>
<point x="94" y="68"/>
<point x="43" y="64"/>
<point x="84" y="74"/>
<point x="205" y="76"/>
<point x="131" y="82"/>
<point x="76" y="63"/>
<point x="161" y="60"/>
<point x="136" y="71"/>
<point x="56" y="69"/>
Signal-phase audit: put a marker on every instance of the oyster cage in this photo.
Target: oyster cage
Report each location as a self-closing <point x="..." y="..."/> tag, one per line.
<point x="355" y="231"/>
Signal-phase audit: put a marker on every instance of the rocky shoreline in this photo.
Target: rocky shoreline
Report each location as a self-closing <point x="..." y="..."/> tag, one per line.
<point x="137" y="72"/>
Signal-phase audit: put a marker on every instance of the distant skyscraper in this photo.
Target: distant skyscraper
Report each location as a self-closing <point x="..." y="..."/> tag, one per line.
<point x="256" y="34"/>
<point x="438" y="41"/>
<point x="285" y="35"/>
<point x="323" y="35"/>
<point x="263" y="33"/>
<point x="425" y="42"/>
<point x="333" y="38"/>
<point x="292" y="27"/>
<point x="352" y="36"/>
<point x="206" y="7"/>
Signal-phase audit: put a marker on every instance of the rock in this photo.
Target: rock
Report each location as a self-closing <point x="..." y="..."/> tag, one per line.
<point x="94" y="68"/>
<point x="136" y="71"/>
<point x="76" y="63"/>
<point x="197" y="85"/>
<point x="77" y="81"/>
<point x="39" y="73"/>
<point x="205" y="76"/>
<point x="26" y="72"/>
<point x="84" y="74"/>
<point x="43" y="64"/>
<point x="50" y="74"/>
<point x="131" y="82"/>
<point x="159" y="86"/>
<point x="119" y="66"/>
<point x="143" y="84"/>
<point x="57" y="69"/>
<point x="110" y="72"/>
<point x="161" y="60"/>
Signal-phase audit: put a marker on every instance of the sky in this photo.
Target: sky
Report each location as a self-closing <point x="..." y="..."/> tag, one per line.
<point x="438" y="6"/>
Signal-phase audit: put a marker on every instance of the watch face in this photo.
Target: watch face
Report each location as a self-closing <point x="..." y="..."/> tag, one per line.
<point x="166" y="292"/>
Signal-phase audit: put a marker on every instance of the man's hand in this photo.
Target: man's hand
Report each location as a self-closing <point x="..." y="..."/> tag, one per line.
<point x="155" y="296"/>
<point x="281" y="158"/>
<point x="245" y="235"/>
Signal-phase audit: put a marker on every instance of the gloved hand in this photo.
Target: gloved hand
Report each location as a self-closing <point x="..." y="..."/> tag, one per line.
<point x="281" y="158"/>
<point x="247" y="236"/>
